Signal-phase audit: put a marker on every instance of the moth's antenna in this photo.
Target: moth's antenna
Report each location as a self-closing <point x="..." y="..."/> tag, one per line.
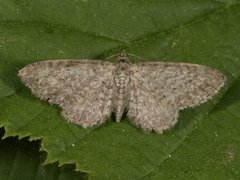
<point x="127" y="54"/>
<point x="138" y="57"/>
<point x="112" y="56"/>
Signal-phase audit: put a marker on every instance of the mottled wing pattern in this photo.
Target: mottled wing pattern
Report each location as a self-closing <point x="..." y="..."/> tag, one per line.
<point x="160" y="89"/>
<point x="74" y="85"/>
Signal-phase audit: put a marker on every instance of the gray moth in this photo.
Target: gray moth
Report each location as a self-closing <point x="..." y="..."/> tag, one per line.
<point x="152" y="93"/>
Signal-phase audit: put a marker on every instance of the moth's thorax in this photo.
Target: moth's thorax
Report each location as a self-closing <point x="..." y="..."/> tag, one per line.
<point x="122" y="79"/>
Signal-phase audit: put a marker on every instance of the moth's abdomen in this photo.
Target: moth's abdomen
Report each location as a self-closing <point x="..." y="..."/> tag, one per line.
<point x="121" y="95"/>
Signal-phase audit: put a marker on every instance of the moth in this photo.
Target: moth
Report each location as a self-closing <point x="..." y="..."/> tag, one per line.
<point x="152" y="93"/>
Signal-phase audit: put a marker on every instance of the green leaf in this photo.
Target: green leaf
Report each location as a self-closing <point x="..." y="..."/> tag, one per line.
<point x="204" y="144"/>
<point x="21" y="159"/>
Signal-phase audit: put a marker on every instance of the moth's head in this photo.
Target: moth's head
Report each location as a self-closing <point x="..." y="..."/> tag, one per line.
<point x="123" y="57"/>
<point x="123" y="54"/>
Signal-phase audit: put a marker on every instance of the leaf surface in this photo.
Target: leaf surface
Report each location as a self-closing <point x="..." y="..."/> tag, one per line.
<point x="205" y="141"/>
